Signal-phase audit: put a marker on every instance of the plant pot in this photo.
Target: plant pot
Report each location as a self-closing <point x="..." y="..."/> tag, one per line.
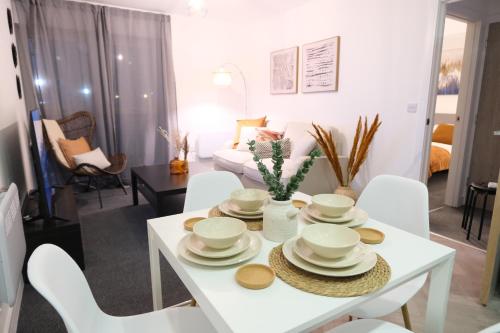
<point x="178" y="167"/>
<point x="347" y="191"/>
<point x="280" y="220"/>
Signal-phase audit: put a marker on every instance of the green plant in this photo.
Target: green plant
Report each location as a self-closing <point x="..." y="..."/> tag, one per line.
<point x="279" y="191"/>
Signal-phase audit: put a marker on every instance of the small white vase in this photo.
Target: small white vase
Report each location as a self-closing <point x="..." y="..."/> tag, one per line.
<point x="280" y="221"/>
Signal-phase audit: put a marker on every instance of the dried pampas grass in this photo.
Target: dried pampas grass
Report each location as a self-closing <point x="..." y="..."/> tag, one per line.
<point x="362" y="139"/>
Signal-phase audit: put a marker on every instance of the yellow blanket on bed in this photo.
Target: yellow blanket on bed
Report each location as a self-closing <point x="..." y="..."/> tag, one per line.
<point x="439" y="160"/>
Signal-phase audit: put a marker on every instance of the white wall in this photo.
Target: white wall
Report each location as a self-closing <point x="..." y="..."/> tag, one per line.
<point x="385" y="62"/>
<point x="200" y="46"/>
<point x="13" y="132"/>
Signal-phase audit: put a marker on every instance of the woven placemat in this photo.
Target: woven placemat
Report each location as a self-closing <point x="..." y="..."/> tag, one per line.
<point x="253" y="225"/>
<point x="357" y="285"/>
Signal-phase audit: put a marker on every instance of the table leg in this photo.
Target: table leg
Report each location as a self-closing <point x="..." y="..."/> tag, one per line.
<point x="135" y="198"/>
<point x="439" y="291"/>
<point x="154" y="263"/>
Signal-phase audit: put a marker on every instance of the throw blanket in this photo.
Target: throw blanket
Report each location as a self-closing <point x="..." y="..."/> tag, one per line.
<point x="439" y="160"/>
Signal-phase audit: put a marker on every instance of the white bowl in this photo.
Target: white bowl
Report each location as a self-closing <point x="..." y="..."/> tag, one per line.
<point x="219" y="232"/>
<point x="332" y="205"/>
<point x="249" y="199"/>
<point x="330" y="241"/>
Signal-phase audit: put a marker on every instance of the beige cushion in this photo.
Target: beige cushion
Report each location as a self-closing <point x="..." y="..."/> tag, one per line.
<point x="70" y="148"/>
<point x="54" y="133"/>
<point x="94" y="157"/>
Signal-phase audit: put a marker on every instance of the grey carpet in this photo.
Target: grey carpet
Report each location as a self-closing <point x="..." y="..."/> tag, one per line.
<point x="117" y="269"/>
<point x="447" y="221"/>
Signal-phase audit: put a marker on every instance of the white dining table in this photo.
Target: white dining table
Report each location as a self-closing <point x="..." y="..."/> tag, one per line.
<point x="281" y="307"/>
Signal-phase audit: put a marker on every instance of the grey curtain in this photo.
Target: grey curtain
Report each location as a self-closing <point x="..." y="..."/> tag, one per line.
<point x="112" y="62"/>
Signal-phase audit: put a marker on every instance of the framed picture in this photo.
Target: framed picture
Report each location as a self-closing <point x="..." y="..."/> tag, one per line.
<point x="284" y="71"/>
<point x="320" y="68"/>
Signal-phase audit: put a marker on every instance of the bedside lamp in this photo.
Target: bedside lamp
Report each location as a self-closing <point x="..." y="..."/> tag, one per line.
<point x="223" y="77"/>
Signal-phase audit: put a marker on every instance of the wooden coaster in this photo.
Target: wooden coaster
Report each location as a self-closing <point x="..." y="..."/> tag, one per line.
<point x="370" y="236"/>
<point x="189" y="223"/>
<point x="255" y="276"/>
<point x="299" y="203"/>
<point x="252" y="224"/>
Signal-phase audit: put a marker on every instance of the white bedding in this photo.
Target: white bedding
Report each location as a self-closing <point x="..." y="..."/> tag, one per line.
<point x="442" y="145"/>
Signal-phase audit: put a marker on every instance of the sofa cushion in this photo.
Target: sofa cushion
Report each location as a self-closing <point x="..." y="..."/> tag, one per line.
<point x="259" y="122"/>
<point x="302" y="141"/>
<point x="289" y="168"/>
<point x="232" y="159"/>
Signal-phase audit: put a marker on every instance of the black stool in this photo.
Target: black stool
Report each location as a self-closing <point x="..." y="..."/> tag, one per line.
<point x="470" y="205"/>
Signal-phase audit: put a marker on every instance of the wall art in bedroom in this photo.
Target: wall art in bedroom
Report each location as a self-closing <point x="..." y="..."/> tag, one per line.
<point x="284" y="71"/>
<point x="320" y="68"/>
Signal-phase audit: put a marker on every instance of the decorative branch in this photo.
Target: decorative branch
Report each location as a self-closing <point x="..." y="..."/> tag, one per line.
<point x="273" y="180"/>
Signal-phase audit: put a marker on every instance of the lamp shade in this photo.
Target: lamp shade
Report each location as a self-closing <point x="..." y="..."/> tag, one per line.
<point x="222" y="78"/>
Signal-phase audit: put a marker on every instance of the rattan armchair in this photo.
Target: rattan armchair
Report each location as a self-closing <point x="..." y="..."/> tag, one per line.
<point x="82" y="124"/>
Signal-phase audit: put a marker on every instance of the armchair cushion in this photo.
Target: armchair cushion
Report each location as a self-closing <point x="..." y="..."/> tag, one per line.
<point x="94" y="157"/>
<point x="70" y="148"/>
<point x="54" y="133"/>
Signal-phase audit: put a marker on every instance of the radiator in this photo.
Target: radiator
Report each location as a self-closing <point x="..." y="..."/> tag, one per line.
<point x="12" y="245"/>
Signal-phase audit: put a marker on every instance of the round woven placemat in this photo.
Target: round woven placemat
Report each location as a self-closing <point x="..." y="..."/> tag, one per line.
<point x="357" y="285"/>
<point x="253" y="225"/>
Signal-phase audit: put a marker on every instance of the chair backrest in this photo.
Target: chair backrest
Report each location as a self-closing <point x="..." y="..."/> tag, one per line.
<point x="55" y="275"/>
<point x="208" y="189"/>
<point x="78" y="124"/>
<point x="398" y="201"/>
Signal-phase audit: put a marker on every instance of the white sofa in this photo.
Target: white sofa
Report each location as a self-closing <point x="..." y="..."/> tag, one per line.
<point x="320" y="178"/>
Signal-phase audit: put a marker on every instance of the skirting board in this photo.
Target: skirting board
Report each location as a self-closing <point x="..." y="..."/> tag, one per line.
<point x="9" y="315"/>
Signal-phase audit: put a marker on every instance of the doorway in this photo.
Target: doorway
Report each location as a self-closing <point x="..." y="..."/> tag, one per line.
<point x="450" y="135"/>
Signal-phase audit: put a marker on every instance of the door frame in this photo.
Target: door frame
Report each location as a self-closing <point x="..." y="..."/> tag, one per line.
<point x="473" y="63"/>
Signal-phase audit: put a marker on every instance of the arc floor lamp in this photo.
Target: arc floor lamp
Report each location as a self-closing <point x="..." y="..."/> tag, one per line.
<point x="223" y="77"/>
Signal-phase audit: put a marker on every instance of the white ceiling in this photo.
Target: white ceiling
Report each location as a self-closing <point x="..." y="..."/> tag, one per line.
<point x="217" y="9"/>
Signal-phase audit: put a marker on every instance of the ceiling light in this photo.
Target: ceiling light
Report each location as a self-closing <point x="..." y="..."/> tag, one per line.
<point x="86" y="91"/>
<point x="119" y="57"/>
<point x="197" y="7"/>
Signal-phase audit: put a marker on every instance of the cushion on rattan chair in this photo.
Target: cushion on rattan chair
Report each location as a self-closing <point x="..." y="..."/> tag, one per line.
<point x="54" y="133"/>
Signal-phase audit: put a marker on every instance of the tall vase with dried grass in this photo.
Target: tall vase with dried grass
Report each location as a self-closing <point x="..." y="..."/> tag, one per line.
<point x="362" y="139"/>
<point x="180" y="144"/>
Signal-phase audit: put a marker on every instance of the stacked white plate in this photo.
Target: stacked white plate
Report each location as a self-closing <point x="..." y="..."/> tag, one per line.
<point x="194" y="250"/>
<point x="358" y="261"/>
<point x="231" y="209"/>
<point x="353" y="218"/>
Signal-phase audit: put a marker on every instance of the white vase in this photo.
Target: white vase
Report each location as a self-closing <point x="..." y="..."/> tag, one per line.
<point x="280" y="221"/>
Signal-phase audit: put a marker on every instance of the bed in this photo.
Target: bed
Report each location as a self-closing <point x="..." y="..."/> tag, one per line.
<point x="440" y="155"/>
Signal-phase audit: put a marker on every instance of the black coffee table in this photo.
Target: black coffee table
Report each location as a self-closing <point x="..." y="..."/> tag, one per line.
<point x="159" y="187"/>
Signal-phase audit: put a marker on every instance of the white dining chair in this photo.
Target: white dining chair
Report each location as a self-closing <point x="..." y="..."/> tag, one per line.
<point x="380" y="326"/>
<point x="55" y="275"/>
<point x="208" y="189"/>
<point x="368" y="326"/>
<point x="402" y="203"/>
<point x="492" y="329"/>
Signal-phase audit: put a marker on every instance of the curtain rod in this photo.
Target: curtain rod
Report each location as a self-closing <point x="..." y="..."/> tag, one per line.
<point x="120" y="7"/>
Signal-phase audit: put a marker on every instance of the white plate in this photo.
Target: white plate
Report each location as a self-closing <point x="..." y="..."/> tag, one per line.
<point x="368" y="262"/>
<point x="196" y="245"/>
<point x="360" y="219"/>
<point x="224" y="207"/>
<point x="234" y="208"/>
<point x="355" y="257"/>
<point x="253" y="249"/>
<point x="313" y="212"/>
